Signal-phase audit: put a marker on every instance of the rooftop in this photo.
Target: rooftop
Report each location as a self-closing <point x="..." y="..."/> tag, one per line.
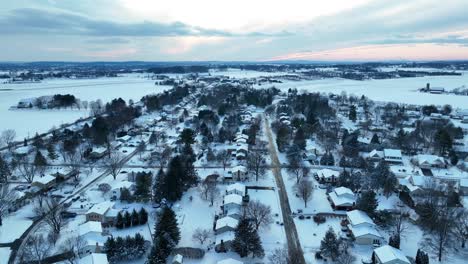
<point x="388" y="253"/>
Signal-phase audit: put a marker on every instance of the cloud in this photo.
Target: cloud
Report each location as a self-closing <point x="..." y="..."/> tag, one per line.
<point x="112" y="40"/>
<point x="39" y="21"/>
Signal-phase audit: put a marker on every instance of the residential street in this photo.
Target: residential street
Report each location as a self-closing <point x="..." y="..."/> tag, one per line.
<point x="294" y="245"/>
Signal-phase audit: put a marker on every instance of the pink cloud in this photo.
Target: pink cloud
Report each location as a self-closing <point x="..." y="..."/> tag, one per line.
<point x="423" y="51"/>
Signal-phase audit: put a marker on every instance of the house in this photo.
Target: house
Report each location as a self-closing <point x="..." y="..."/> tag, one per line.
<point x="117" y="188"/>
<point x="342" y="198"/>
<point x="236" y="188"/>
<point x="392" y="155"/>
<point x="327" y="175"/>
<point x="376" y="155"/>
<point x="178" y="259"/>
<point x="91" y="233"/>
<point x="226" y="224"/>
<point x="124" y="139"/>
<point x="232" y="205"/>
<point x="239" y="173"/>
<point x="43" y="182"/>
<point x="95" y="258"/>
<point x="97" y="153"/>
<point x="362" y="228"/>
<point x="229" y="261"/>
<point x="430" y="161"/>
<point x="98" y="211"/>
<point x="224" y="240"/>
<point x="390" y="255"/>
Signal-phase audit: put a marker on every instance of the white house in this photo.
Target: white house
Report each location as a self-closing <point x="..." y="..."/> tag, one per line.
<point x="226" y="224"/>
<point x="239" y="172"/>
<point x="236" y="188"/>
<point x="232" y="205"/>
<point x="43" y="182"/>
<point x="91" y="233"/>
<point x="342" y="198"/>
<point x="430" y="161"/>
<point x="95" y="258"/>
<point x="98" y="211"/>
<point x="226" y="239"/>
<point x="362" y="228"/>
<point x="390" y="255"/>
<point x="376" y="155"/>
<point x="393" y="155"/>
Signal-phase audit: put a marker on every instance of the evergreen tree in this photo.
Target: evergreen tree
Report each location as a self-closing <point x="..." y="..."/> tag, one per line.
<point x="143" y="216"/>
<point x="247" y="240"/>
<point x="375" y="139"/>
<point x="172" y="187"/>
<point x="187" y="136"/>
<point x="167" y="226"/>
<point x="127" y="219"/>
<point x="367" y="202"/>
<point x="159" y="186"/>
<point x="5" y="171"/>
<point x="143" y="185"/>
<point x="51" y="152"/>
<point x="119" y="222"/>
<point x="110" y="248"/>
<point x="38" y="142"/>
<point x="300" y="139"/>
<point x="352" y="113"/>
<point x="125" y="195"/>
<point x="40" y="160"/>
<point x="394" y="241"/>
<point x="443" y="141"/>
<point x="159" y="252"/>
<point x="330" y="245"/>
<point x="135" y="218"/>
<point x="421" y="257"/>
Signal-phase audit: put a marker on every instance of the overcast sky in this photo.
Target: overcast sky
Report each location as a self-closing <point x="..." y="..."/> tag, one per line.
<point x="171" y="30"/>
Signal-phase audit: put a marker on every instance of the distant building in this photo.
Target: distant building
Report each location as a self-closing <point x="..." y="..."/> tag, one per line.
<point x="393" y="155"/>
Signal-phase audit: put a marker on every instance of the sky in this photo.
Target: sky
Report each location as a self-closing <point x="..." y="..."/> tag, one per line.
<point x="242" y="30"/>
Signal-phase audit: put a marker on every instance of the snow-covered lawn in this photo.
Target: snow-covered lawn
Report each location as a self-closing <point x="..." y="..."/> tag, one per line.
<point x="13" y="227"/>
<point x="4" y="255"/>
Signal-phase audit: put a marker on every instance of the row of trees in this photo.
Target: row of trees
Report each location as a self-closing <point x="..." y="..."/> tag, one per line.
<point x="134" y="219"/>
<point x="128" y="248"/>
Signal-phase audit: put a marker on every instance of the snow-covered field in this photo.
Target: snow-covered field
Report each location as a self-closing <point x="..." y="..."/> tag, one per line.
<point x="28" y="122"/>
<point x="403" y="90"/>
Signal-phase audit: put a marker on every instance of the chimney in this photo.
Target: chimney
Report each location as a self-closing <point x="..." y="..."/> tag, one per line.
<point x="428" y="86"/>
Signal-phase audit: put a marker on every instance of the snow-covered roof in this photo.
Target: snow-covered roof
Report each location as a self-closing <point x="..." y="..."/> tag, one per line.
<point x="94" y="258"/>
<point x="430" y="159"/>
<point x="345" y="199"/>
<point x="421" y="181"/>
<point x="376" y="154"/>
<point x="45" y="179"/>
<point x="343" y="191"/>
<point x="123" y="184"/>
<point x="327" y="173"/>
<point x="229" y="261"/>
<point x="178" y="258"/>
<point x="464" y="183"/>
<point x="357" y="217"/>
<point x="22" y="150"/>
<point x="226" y="221"/>
<point x="237" y="187"/>
<point x="359" y="231"/>
<point x="125" y="138"/>
<point x="388" y="254"/>
<point x="100" y="208"/>
<point x="233" y="198"/>
<point x="239" y="168"/>
<point x="394" y="153"/>
<point x="225" y="237"/>
<point x="90" y="226"/>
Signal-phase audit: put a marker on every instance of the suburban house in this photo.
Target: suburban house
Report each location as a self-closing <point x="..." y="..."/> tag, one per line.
<point x="224" y="239"/>
<point x="226" y="224"/>
<point x="178" y="259"/>
<point x="43" y="182"/>
<point x="239" y="173"/>
<point x="429" y="161"/>
<point x="236" y="188"/>
<point x="117" y="188"/>
<point x="393" y="155"/>
<point x="95" y="258"/>
<point x="97" y="152"/>
<point x="375" y="155"/>
<point x="98" y="212"/>
<point x="362" y="229"/>
<point x="389" y="255"/>
<point x="232" y="205"/>
<point x="327" y="175"/>
<point x="342" y="198"/>
<point x="91" y="233"/>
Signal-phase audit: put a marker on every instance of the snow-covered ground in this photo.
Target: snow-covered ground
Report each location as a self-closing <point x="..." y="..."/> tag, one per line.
<point x="403" y="90"/>
<point x="28" y="122"/>
<point x="4" y="255"/>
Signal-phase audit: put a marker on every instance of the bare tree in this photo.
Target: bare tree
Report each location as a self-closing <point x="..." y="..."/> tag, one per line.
<point x="7" y="198"/>
<point x="27" y="169"/>
<point x="440" y="238"/>
<point x="75" y="167"/>
<point x="259" y="213"/>
<point x="74" y="245"/>
<point x="256" y="164"/>
<point x="304" y="190"/>
<point x="36" y="249"/>
<point x="298" y="170"/>
<point x="345" y="258"/>
<point x="51" y="211"/>
<point x="141" y="148"/>
<point x="224" y="157"/>
<point x="279" y="256"/>
<point x="209" y="191"/>
<point x="7" y="137"/>
<point x="114" y="163"/>
<point x="461" y="227"/>
<point x="400" y="224"/>
<point x="201" y="235"/>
